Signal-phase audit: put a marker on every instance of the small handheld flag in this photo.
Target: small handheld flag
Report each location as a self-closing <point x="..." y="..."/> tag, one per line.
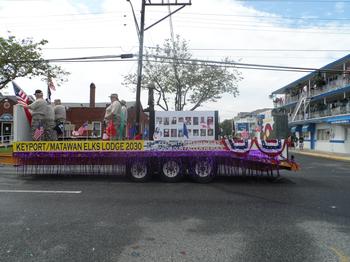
<point x="184" y="130"/>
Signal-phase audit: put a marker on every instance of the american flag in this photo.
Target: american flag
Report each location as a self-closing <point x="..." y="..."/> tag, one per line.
<point x="22" y="99"/>
<point x="83" y="128"/>
<point x="38" y="133"/>
<point x="185" y="130"/>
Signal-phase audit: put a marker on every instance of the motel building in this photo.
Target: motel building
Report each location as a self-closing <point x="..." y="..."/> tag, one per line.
<point x="318" y="107"/>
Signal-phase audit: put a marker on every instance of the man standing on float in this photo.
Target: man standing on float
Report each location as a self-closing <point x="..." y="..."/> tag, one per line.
<point x="113" y="114"/>
<point x="38" y="110"/>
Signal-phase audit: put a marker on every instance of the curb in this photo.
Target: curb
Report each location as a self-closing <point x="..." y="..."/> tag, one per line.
<point x="339" y="158"/>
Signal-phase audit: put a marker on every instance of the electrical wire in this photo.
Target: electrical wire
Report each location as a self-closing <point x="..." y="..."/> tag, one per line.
<point x="112" y="58"/>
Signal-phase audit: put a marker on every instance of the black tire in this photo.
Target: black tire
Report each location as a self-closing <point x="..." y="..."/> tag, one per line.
<point x="138" y="171"/>
<point x="171" y="171"/>
<point x="203" y="170"/>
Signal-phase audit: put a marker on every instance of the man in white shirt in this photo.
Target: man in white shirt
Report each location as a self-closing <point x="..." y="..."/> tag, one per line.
<point x="113" y="114"/>
<point x="124" y="119"/>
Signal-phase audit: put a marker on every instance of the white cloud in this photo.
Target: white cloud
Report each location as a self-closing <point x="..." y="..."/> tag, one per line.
<point x="339" y="7"/>
<point x="115" y="27"/>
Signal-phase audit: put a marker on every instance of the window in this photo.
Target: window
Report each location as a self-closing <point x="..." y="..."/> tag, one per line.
<point x="306" y="135"/>
<point x="96" y="129"/>
<point x="323" y="134"/>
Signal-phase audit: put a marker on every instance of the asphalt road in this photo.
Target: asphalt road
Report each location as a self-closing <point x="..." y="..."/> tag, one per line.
<point x="303" y="216"/>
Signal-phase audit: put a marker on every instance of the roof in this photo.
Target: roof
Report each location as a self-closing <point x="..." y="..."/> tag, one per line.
<point x="252" y="113"/>
<point x="101" y="104"/>
<point x="312" y="74"/>
<point x="13" y="98"/>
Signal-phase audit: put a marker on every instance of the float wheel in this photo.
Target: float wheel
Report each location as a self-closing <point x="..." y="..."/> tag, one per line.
<point x="138" y="171"/>
<point x="203" y="170"/>
<point x="171" y="171"/>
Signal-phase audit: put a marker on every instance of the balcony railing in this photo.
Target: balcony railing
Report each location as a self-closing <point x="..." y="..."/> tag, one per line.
<point x="331" y="86"/>
<point x="339" y="110"/>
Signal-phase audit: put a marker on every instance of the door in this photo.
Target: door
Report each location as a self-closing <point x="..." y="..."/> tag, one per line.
<point x="6" y="131"/>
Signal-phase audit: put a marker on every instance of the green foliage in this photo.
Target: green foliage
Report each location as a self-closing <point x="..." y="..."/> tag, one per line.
<point x="226" y="127"/>
<point x="318" y="80"/>
<point x="183" y="83"/>
<point x="23" y="58"/>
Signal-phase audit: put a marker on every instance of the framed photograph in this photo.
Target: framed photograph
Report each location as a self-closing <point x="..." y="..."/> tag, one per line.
<point x="173" y="133"/>
<point x="159" y="120"/>
<point x="210" y="122"/>
<point x="197" y="125"/>
<point x="174" y="120"/>
<point x="166" y="132"/>
<point x="166" y="121"/>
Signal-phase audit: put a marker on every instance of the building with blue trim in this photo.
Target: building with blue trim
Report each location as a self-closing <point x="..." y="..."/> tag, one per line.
<point x="318" y="107"/>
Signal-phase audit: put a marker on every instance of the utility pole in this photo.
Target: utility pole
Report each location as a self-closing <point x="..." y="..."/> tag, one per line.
<point x="139" y="67"/>
<point x="181" y="3"/>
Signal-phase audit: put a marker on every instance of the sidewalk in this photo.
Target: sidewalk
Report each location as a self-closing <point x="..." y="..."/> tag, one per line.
<point x="328" y="155"/>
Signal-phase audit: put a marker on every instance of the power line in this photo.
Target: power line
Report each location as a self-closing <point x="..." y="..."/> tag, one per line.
<point x="296" y="1"/>
<point x="282" y="69"/>
<point x="204" y="49"/>
<point x="262" y="16"/>
<point x="112" y="58"/>
<point x="252" y="65"/>
<point x="187" y="13"/>
<point x="81" y="47"/>
<point x="254" y="29"/>
<point x="261" y="49"/>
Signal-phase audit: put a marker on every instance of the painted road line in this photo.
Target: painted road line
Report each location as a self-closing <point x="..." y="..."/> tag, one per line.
<point x="342" y="257"/>
<point x="39" y="191"/>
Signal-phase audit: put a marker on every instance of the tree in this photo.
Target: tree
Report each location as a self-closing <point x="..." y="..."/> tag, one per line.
<point x="23" y="58"/>
<point x="181" y="81"/>
<point x="227" y="127"/>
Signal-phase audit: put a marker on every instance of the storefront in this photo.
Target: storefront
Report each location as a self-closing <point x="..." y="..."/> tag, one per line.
<point x="6" y="130"/>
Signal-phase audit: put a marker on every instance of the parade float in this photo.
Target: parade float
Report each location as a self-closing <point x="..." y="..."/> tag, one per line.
<point x="201" y="159"/>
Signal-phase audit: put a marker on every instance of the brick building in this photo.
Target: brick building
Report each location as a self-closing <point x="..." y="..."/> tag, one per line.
<point x="6" y="117"/>
<point x="77" y="114"/>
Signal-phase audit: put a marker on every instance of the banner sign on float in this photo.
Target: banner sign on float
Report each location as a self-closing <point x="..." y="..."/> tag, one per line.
<point x="71" y="146"/>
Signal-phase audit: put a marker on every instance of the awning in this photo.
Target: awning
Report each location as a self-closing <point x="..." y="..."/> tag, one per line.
<point x="6" y="117"/>
<point x="339" y="120"/>
<point x="307" y="128"/>
<point x="294" y="129"/>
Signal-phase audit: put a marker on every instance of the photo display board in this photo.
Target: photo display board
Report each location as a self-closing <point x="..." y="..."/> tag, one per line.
<point x="182" y="125"/>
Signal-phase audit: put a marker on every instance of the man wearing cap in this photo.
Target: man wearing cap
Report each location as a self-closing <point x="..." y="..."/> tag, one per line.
<point x="113" y="113"/>
<point x="123" y="120"/>
<point x="38" y="110"/>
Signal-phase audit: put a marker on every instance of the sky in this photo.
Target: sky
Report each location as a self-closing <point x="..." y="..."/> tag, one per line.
<point x="214" y="28"/>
